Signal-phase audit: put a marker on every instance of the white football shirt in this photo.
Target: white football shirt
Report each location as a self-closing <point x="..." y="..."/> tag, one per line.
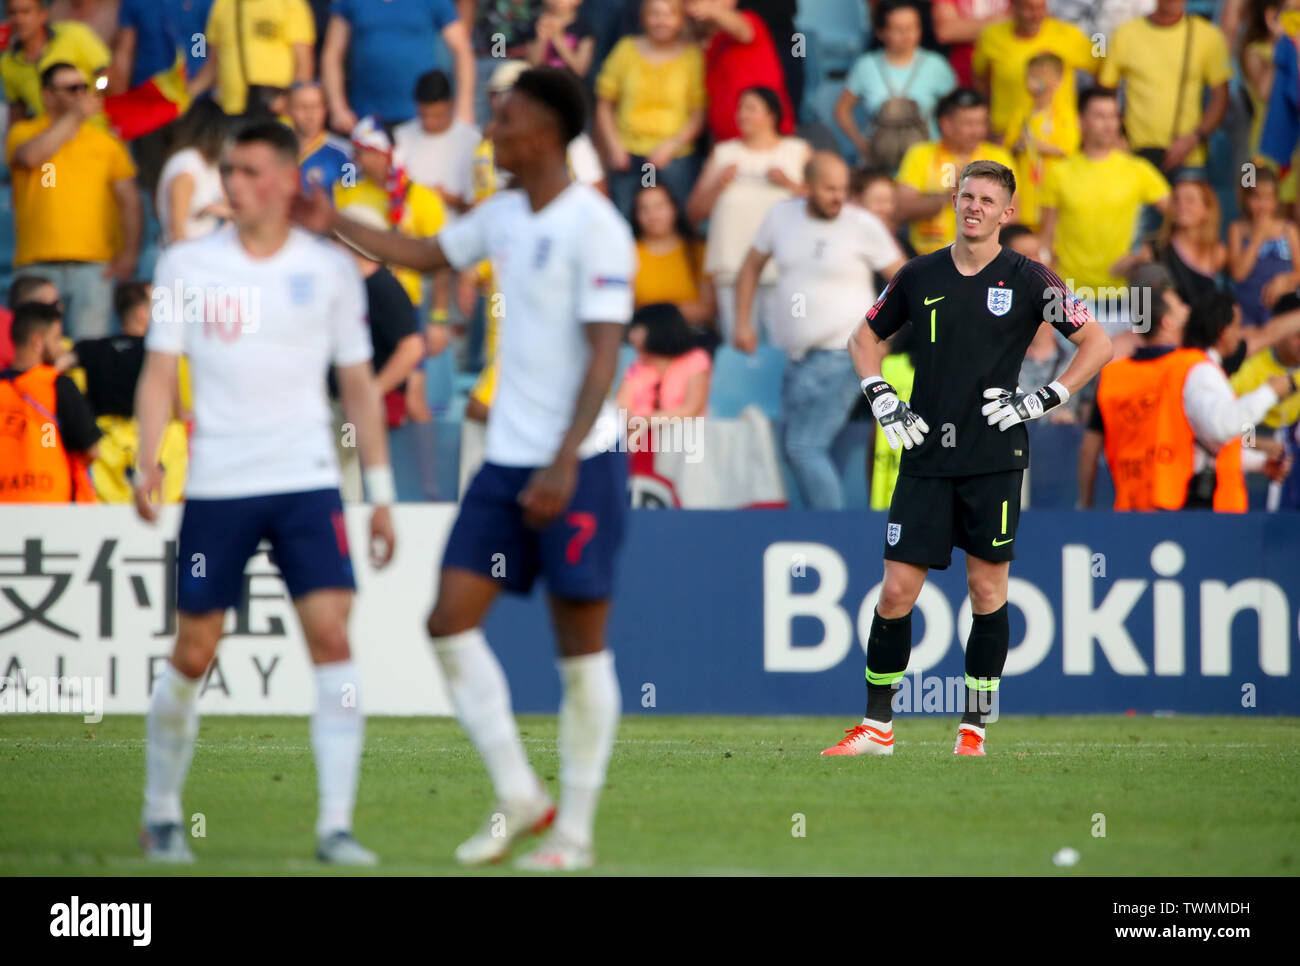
<point x="260" y="334"/>
<point x="443" y="160"/>
<point x="558" y="268"/>
<point x="825" y="265"/>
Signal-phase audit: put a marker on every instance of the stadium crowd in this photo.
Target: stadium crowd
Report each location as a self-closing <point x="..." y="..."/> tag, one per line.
<point x="777" y="162"/>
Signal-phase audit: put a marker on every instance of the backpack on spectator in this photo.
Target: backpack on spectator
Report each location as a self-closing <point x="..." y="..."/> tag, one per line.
<point x="898" y="124"/>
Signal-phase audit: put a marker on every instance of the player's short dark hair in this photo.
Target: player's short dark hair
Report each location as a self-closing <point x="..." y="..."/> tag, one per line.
<point x="1154" y="276"/>
<point x="1010" y="233"/>
<point x="888" y="7"/>
<point x="667" y="333"/>
<point x="22" y="287"/>
<point x="127" y="295"/>
<point x="32" y="318"/>
<point x="560" y="93"/>
<point x="433" y="87"/>
<point x="993" y="171"/>
<point x="1090" y="94"/>
<point x="771" y="100"/>
<point x="1286" y="303"/>
<point x="1210" y="315"/>
<point x="270" y="132"/>
<point x="48" y="74"/>
<point x="961" y="98"/>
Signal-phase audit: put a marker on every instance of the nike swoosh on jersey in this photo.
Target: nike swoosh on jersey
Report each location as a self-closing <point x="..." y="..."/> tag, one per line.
<point x="939" y="299"/>
<point x="999" y="543"/>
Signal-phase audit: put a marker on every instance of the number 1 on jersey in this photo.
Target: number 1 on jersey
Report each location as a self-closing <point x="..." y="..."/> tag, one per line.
<point x="932" y="311"/>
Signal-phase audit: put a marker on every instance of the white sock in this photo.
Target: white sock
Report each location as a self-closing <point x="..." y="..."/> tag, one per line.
<point x="337" y="731"/>
<point x="878" y="725"/>
<point x="171" y="726"/>
<point x="971" y="727"/>
<point x="589" y="715"/>
<point x="481" y="697"/>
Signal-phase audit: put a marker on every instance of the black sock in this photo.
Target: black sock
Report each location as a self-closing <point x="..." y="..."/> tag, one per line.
<point x="986" y="654"/>
<point x="889" y="646"/>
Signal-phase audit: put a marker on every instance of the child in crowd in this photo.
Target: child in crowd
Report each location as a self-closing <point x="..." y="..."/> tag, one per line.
<point x="670" y="376"/>
<point x="1262" y="250"/>
<point x="1041" y="132"/>
<point x="562" y="38"/>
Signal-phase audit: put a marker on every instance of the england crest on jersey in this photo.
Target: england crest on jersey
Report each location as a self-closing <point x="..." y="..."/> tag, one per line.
<point x="892" y="532"/>
<point x="999" y="301"/>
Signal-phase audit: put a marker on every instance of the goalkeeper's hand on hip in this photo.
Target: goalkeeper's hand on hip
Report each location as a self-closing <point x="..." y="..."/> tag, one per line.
<point x="1007" y="408"/>
<point x="901" y="426"/>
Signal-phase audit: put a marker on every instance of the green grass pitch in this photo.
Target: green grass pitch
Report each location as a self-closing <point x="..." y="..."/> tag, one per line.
<point x="713" y="795"/>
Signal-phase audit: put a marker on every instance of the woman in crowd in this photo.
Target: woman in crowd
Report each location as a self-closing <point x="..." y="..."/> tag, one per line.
<point x="670" y="258"/>
<point x="1187" y="244"/>
<point x="670" y="376"/>
<point x="743" y="178"/>
<point x="900" y="84"/>
<point x="191" y="202"/>
<point x="650" y="105"/>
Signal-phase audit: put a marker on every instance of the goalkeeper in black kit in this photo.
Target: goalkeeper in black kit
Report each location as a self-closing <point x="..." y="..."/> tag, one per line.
<point x="974" y="308"/>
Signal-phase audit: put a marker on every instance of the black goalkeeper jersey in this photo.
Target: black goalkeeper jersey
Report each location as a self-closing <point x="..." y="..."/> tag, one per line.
<point x="970" y="333"/>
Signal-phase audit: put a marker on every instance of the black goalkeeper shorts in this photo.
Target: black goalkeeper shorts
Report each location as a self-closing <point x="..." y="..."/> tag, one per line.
<point x="929" y="515"/>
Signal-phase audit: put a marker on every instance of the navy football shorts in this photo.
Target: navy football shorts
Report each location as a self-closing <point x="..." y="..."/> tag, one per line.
<point x="576" y="554"/>
<point x="309" y="545"/>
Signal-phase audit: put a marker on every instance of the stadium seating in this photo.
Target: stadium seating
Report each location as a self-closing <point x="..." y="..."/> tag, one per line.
<point x="841" y="28"/>
<point x="822" y="107"/>
<point x="740" y="380"/>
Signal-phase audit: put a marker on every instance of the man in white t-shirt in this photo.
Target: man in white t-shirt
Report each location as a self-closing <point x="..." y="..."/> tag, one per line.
<point x="825" y="252"/>
<point x="261" y="310"/>
<point x="438" y="149"/>
<point x="551" y="496"/>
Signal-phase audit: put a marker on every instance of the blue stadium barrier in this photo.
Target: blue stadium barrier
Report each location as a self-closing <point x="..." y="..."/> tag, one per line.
<point x="440" y="380"/>
<point x="814" y="72"/>
<point x="740" y="380"/>
<point x="626" y="356"/>
<point x="1109" y="613"/>
<point x="822" y="103"/>
<point x="426" y="460"/>
<point x="841" y="27"/>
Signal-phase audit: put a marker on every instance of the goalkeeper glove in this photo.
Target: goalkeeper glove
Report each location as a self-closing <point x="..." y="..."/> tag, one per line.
<point x="1009" y="408"/>
<point x="900" y="425"/>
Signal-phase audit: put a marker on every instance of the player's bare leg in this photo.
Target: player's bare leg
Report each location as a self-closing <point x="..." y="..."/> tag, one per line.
<point x="986" y="648"/>
<point x="481" y="697"/>
<point x="171" y="727"/>
<point x="589" y="713"/>
<point x="889" y="646"/>
<point x="337" y="727"/>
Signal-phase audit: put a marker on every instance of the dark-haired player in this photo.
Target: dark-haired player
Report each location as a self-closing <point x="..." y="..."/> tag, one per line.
<point x="974" y="308"/>
<point x="550" y="498"/>
<point x="262" y="310"/>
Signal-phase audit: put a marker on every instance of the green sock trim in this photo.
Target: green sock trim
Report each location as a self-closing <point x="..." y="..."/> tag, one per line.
<point x="891" y="678"/>
<point x="982" y="684"/>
